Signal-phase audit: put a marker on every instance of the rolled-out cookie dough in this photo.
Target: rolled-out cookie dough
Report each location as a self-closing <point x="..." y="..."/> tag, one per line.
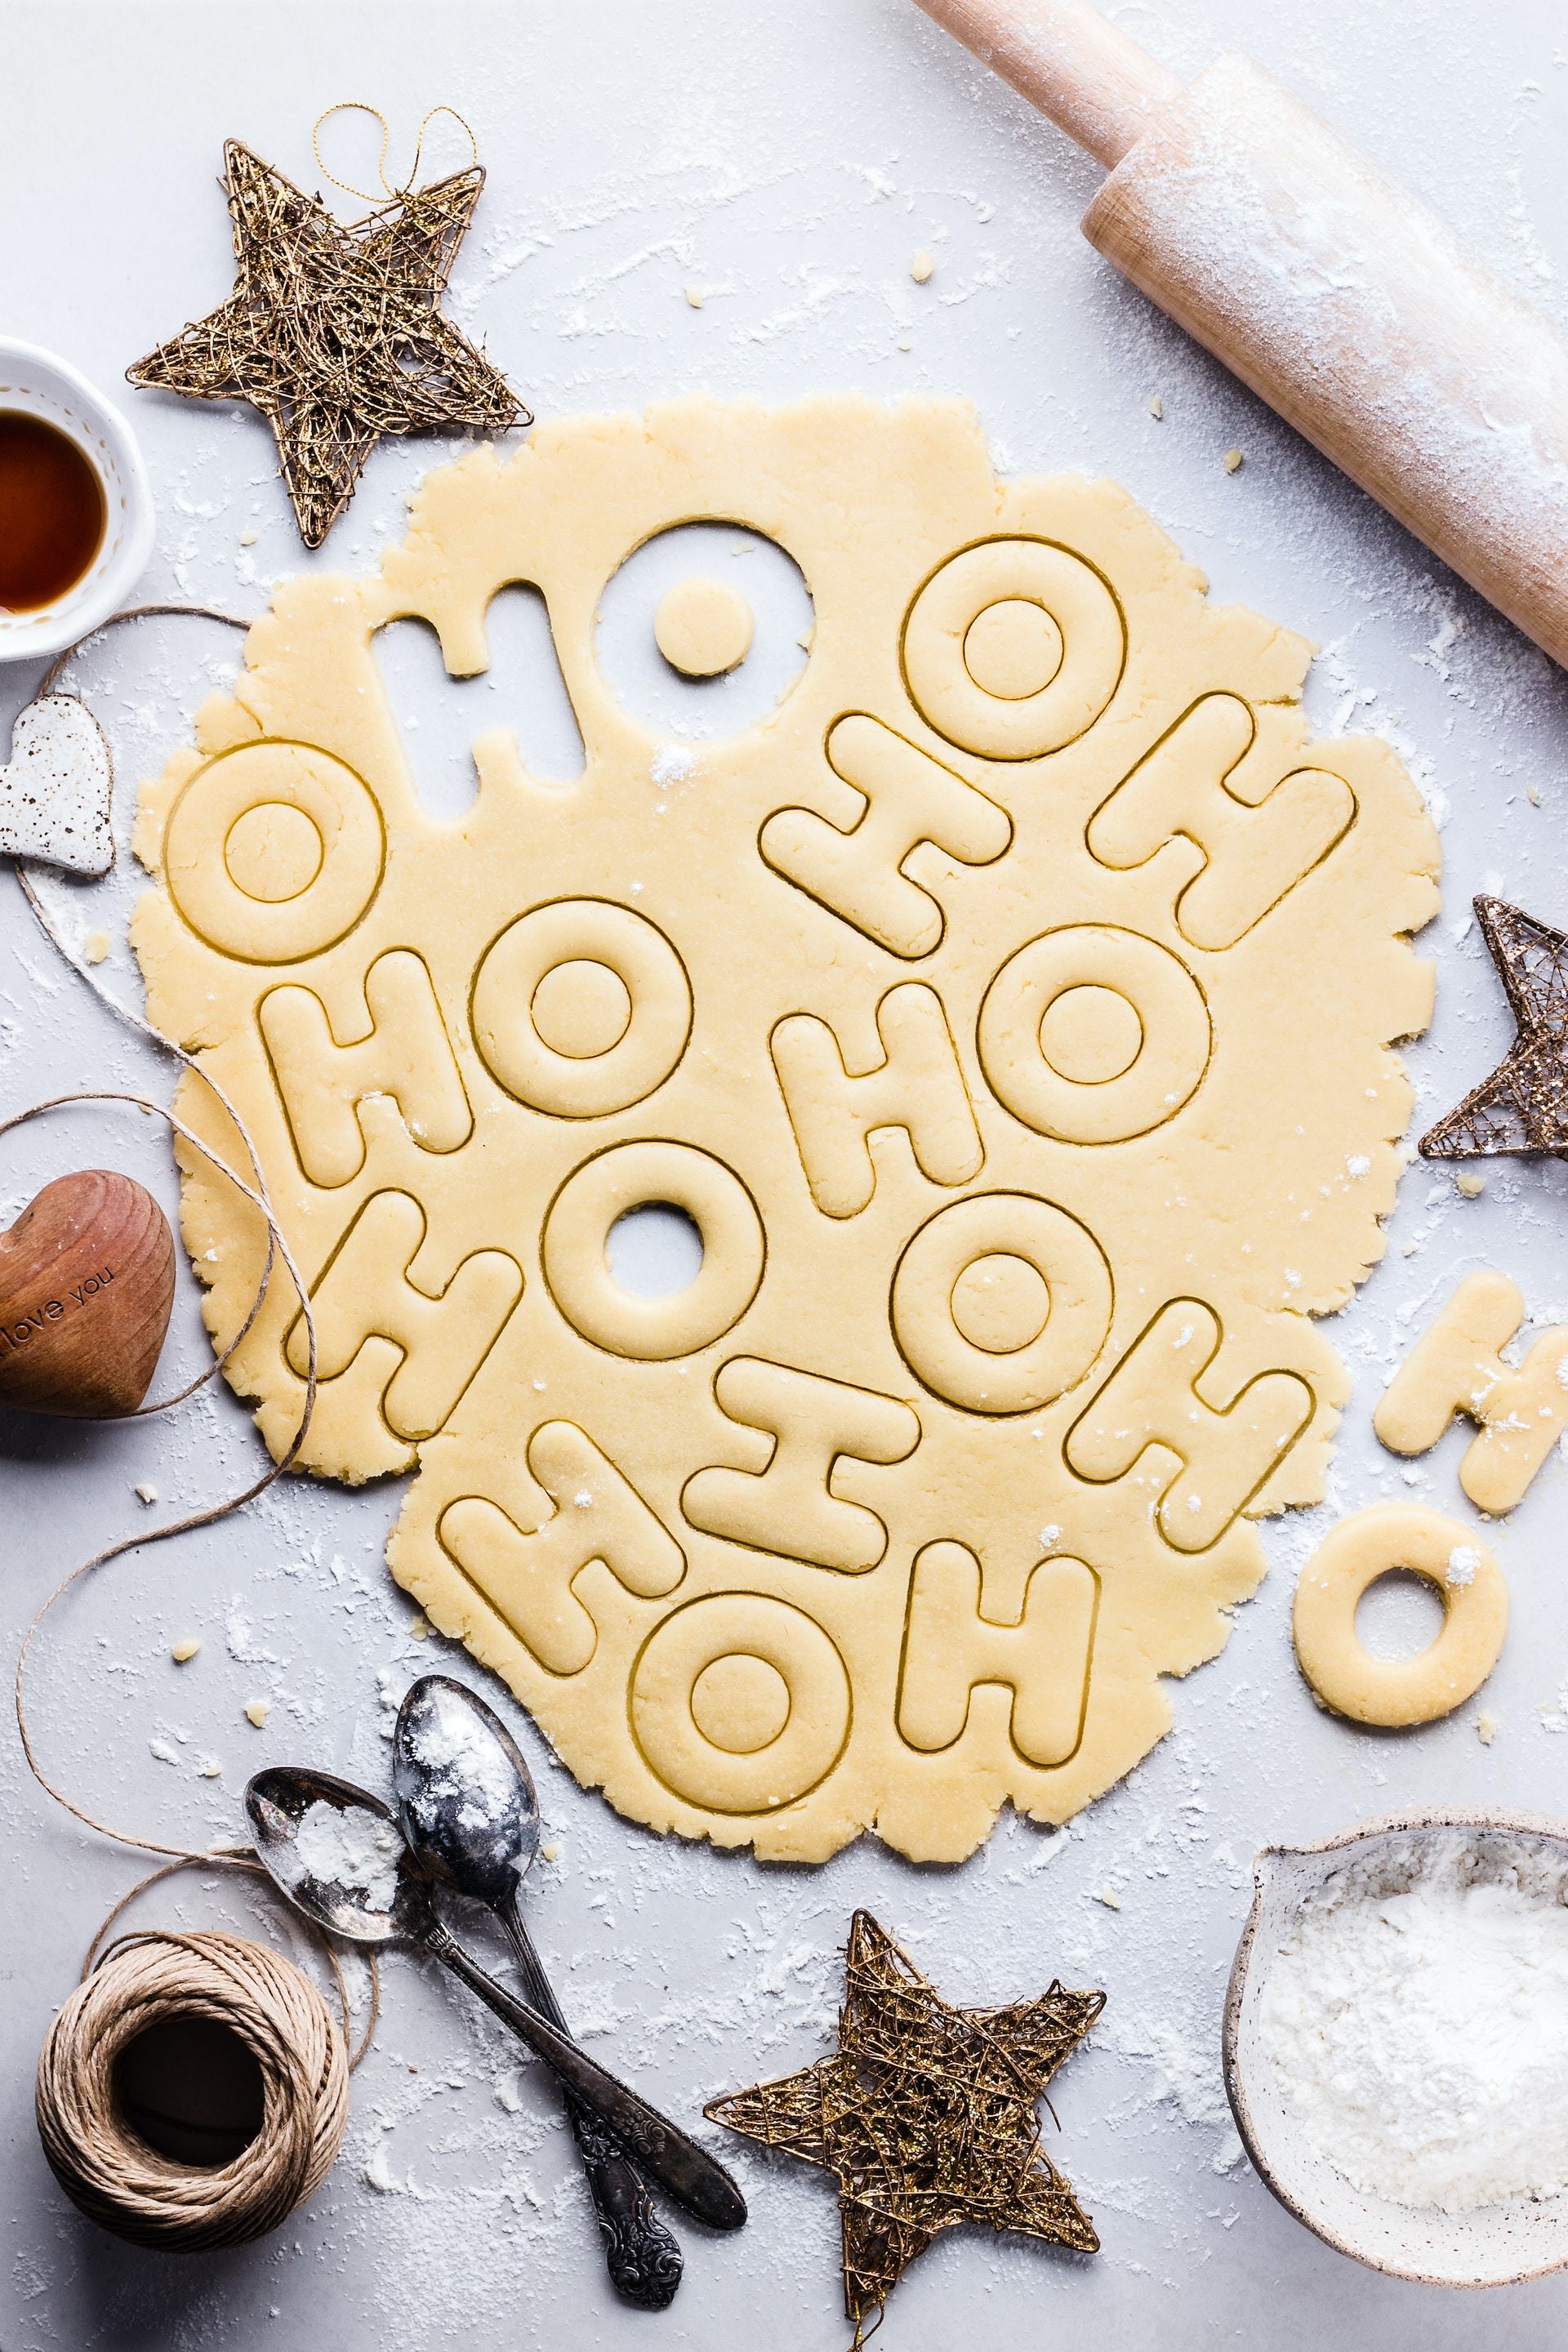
<point x="1012" y="1012"/>
<point x="1396" y="1692"/>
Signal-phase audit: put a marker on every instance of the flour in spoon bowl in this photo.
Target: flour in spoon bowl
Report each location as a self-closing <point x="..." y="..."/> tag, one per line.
<point x="355" y="1849"/>
<point x="1415" y="2016"/>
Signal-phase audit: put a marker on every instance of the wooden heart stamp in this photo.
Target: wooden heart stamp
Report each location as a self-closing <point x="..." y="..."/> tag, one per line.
<point x="87" y="1280"/>
<point x="55" y="794"/>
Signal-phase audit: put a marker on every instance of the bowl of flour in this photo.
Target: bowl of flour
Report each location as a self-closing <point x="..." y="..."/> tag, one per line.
<point x="1397" y="2042"/>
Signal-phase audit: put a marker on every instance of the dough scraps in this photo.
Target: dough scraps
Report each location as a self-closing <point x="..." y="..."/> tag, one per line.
<point x="1011" y="1011"/>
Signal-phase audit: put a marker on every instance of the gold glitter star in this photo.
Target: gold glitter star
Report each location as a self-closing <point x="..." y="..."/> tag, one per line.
<point x="925" y="2115"/>
<point x="1523" y="1106"/>
<point x="335" y="333"/>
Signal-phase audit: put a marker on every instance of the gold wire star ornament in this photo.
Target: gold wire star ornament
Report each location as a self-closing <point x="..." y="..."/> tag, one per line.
<point x="1523" y="1104"/>
<point x="925" y="2115"/>
<point x="335" y="333"/>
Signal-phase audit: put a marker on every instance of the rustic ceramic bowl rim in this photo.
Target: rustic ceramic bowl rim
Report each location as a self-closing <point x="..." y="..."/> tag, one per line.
<point x="1409" y="1821"/>
<point x="28" y="368"/>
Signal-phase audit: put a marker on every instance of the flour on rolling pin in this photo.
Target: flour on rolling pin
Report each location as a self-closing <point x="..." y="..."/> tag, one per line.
<point x="1334" y="295"/>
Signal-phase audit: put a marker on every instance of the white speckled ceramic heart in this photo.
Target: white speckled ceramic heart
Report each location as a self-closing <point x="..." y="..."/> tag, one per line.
<point x="55" y="794"/>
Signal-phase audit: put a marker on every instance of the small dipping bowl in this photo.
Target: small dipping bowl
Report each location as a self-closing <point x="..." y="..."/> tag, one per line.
<point x="37" y="384"/>
<point x="1494" y="2245"/>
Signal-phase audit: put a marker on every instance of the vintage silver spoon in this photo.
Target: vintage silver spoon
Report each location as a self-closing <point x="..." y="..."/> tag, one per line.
<point x="467" y="1803"/>
<point x="338" y="1855"/>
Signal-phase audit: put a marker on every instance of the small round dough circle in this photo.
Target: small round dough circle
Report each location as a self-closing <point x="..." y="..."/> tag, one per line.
<point x="546" y="1000"/>
<point x="740" y="1703"/>
<point x="1048" y="999"/>
<point x="704" y="626"/>
<point x="1396" y="1692"/>
<point x="973" y="690"/>
<point x="581" y="1009"/>
<point x="633" y="1176"/>
<point x="1089" y="1035"/>
<point x="273" y="852"/>
<point x="935" y="1311"/>
<point x="1013" y="648"/>
<point x="736" y="1630"/>
<point x="236" y="846"/>
<point x="1001" y="1303"/>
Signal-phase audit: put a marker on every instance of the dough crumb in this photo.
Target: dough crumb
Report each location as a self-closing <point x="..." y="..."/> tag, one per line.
<point x="1486" y="1728"/>
<point x="146" y="1492"/>
<point x="184" y="1649"/>
<point x="1156" y="406"/>
<point x="551" y="1852"/>
<point x="256" y="1712"/>
<point x="212" y="1771"/>
<point x="248" y="538"/>
<point x="419" y="1629"/>
<point x="921" y="267"/>
<point x="905" y="345"/>
<point x="95" y="947"/>
<point x="1470" y="1184"/>
<point x="1233" y="461"/>
<point x="694" y="297"/>
<point x="1532" y="794"/>
<point x="1112" y="1902"/>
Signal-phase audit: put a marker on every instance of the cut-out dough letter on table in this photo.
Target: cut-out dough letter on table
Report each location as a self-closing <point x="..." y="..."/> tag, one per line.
<point x="1012" y="1012"/>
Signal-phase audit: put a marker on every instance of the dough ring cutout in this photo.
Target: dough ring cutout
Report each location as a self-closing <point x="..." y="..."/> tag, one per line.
<point x="1013" y="648"/>
<point x="1395" y="1692"/>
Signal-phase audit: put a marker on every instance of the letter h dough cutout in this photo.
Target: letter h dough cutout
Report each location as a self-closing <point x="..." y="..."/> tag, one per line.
<point x="916" y="1087"/>
<point x="531" y="1579"/>
<point x="965" y="1029"/>
<point x="1225" y="1452"/>
<point x="404" y="1054"/>
<point x="1043" y="1657"/>
<point x="1456" y="1367"/>
<point x="1258" y="833"/>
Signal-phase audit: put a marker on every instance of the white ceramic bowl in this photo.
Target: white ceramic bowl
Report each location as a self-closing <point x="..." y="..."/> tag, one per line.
<point x="1496" y="2245"/>
<point x="41" y="385"/>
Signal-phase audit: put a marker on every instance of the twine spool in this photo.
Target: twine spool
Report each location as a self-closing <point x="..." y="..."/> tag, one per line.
<point x="111" y="2172"/>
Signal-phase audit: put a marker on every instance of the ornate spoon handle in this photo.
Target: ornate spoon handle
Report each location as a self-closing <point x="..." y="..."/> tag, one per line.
<point x="691" y="2176"/>
<point x="643" y="2258"/>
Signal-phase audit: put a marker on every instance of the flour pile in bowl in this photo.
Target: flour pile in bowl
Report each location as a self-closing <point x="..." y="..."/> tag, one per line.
<point x="1416" y="2021"/>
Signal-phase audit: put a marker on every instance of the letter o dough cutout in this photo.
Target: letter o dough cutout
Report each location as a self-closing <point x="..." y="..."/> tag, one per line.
<point x="531" y="1054"/>
<point x="1388" y="1691"/>
<point x="1037" y="1338"/>
<point x="675" y="1730"/>
<point x="240" y="863"/>
<point x="632" y="1176"/>
<point x="1075" y="971"/>
<point x="966" y="674"/>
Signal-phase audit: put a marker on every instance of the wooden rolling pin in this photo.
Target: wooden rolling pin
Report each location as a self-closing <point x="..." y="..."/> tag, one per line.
<point x="1344" y="304"/>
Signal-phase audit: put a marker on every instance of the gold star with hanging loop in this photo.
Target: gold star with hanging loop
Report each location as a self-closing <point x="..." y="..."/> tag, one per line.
<point x="335" y="333"/>
<point x="1523" y="1104"/>
<point x="925" y="2115"/>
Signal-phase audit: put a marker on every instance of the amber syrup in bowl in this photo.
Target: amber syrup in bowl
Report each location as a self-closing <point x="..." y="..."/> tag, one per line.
<point x="53" y="512"/>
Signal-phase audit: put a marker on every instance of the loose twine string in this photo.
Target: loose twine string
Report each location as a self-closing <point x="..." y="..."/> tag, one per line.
<point x="404" y="187"/>
<point x="302" y="2054"/>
